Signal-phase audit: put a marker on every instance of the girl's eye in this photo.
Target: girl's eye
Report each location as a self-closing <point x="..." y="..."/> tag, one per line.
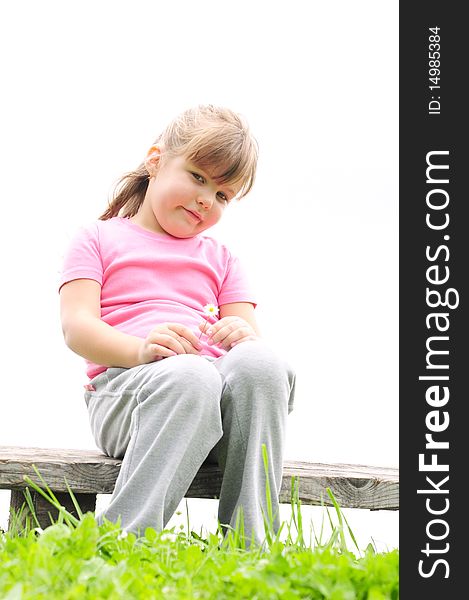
<point x="198" y="177"/>
<point x="201" y="179"/>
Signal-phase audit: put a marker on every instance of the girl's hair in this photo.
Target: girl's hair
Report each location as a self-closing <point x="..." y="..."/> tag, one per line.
<point x="212" y="138"/>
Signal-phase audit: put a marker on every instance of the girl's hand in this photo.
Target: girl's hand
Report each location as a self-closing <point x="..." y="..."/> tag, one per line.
<point x="228" y="332"/>
<point x="168" y="339"/>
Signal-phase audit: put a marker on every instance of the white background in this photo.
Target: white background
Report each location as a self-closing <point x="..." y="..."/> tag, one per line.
<point x="87" y="86"/>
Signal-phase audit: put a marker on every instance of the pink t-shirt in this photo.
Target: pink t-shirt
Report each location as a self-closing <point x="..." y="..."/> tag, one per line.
<point x="149" y="278"/>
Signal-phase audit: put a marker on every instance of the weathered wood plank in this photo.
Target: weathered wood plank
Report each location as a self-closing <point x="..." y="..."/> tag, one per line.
<point x="90" y="472"/>
<point x="86" y="471"/>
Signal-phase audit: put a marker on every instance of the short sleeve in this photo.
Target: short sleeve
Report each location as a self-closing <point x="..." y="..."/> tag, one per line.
<point x="236" y="286"/>
<point x="82" y="258"/>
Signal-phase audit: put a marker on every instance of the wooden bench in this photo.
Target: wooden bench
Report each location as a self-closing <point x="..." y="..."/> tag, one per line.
<point x="89" y="473"/>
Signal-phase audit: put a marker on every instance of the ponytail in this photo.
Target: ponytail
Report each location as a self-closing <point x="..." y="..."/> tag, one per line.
<point x="128" y="195"/>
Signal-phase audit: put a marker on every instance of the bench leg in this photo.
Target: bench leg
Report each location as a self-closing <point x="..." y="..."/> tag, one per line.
<point x="44" y="509"/>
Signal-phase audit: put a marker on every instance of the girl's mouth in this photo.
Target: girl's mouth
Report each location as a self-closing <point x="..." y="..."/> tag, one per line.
<point x="194" y="215"/>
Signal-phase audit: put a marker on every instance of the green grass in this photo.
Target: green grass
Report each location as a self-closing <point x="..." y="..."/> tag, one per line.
<point x="74" y="558"/>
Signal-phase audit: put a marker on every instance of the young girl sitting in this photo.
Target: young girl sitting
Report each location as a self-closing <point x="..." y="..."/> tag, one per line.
<point x="169" y="390"/>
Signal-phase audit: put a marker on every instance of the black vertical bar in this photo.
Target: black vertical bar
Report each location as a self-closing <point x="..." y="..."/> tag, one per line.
<point x="433" y="272"/>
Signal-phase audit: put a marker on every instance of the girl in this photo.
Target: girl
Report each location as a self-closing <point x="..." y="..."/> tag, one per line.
<point x="168" y="390"/>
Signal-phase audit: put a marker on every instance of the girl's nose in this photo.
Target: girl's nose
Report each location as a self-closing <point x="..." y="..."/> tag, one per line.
<point x="204" y="200"/>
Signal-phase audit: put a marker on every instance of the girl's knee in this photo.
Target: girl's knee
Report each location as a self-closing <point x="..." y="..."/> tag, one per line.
<point x="257" y="374"/>
<point x="192" y="368"/>
<point x="185" y="377"/>
<point x="257" y="360"/>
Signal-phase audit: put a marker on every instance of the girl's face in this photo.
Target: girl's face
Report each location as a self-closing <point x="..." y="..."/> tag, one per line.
<point x="182" y="200"/>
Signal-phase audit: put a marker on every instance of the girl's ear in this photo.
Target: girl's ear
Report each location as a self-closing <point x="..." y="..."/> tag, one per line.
<point x="152" y="160"/>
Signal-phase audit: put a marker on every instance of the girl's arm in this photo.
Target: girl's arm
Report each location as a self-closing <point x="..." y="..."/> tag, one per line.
<point x="237" y="324"/>
<point x="90" y="337"/>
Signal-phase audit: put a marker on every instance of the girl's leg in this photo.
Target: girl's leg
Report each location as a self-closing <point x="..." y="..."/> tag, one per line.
<point x="162" y="418"/>
<point x="258" y="391"/>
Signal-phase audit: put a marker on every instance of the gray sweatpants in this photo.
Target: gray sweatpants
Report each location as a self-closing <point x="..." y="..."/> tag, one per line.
<point x="167" y="417"/>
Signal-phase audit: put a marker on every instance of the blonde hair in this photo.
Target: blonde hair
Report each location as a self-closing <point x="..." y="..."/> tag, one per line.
<point x="212" y="138"/>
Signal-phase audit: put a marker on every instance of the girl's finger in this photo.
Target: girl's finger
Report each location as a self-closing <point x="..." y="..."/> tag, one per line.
<point x="188" y="347"/>
<point x="160" y="351"/>
<point x="234" y="336"/>
<point x="230" y="333"/>
<point x="166" y="340"/>
<point x="218" y="334"/>
<point x="185" y="336"/>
